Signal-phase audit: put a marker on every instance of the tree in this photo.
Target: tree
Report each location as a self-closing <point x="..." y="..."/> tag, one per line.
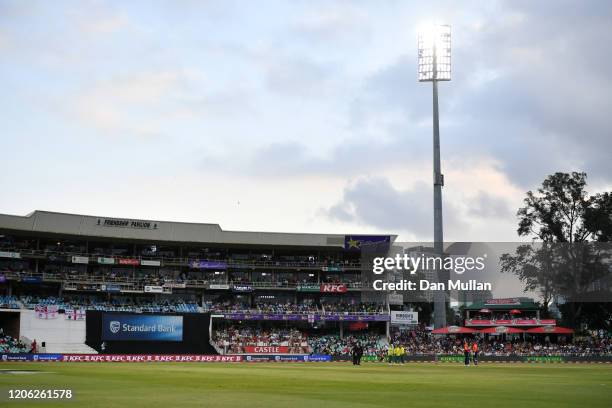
<point x="533" y="265"/>
<point x="569" y="261"/>
<point x="560" y="211"/>
<point x="598" y="218"/>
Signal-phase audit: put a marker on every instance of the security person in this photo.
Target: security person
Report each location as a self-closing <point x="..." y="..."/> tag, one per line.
<point x="466" y="352"/>
<point x="359" y="353"/>
<point x="475" y="352"/>
<point x="355" y="353"/>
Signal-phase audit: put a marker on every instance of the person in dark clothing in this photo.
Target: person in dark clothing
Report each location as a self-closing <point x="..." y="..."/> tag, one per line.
<point x="355" y="354"/>
<point x="359" y="353"/>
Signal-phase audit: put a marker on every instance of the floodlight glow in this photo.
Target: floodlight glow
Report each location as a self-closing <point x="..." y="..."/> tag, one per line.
<point x="434" y="44"/>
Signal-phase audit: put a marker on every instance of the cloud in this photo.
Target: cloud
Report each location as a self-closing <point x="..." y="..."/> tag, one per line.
<point x="298" y="78"/>
<point x="321" y="96"/>
<point x="478" y="203"/>
<point x="4" y="40"/>
<point x="332" y="20"/>
<point x="128" y="105"/>
<point x="105" y="25"/>
<point x="150" y="103"/>
<point x="488" y="206"/>
<point x="375" y="202"/>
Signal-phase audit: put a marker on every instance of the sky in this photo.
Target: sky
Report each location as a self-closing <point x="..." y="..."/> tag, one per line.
<point x="299" y="116"/>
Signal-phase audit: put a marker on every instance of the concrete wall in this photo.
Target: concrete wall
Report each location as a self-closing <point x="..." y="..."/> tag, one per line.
<point x="165" y="231"/>
<point x="58" y="330"/>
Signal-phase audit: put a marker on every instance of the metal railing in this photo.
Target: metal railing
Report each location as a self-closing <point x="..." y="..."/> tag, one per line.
<point x="140" y="282"/>
<point x="317" y="311"/>
<point x="184" y="261"/>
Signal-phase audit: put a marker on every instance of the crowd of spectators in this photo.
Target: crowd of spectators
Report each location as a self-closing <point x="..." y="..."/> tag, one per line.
<point x="233" y="340"/>
<point x="280" y="307"/>
<point x="8" y="302"/>
<point x="226" y="306"/>
<point x="419" y="341"/>
<point x="153" y="251"/>
<point x="355" y="307"/>
<point x="122" y="304"/>
<point x="585" y="347"/>
<point x="501" y="316"/>
<point x="290" y="280"/>
<point x="147" y="276"/>
<point x="334" y="345"/>
<point x="128" y="275"/>
<point x="261" y="307"/>
<point x="9" y="344"/>
<point x="285" y="308"/>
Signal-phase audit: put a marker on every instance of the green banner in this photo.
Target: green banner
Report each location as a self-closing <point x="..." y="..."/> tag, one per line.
<point x="543" y="359"/>
<point x="309" y="288"/>
<point x="332" y="269"/>
<point x="451" y="359"/>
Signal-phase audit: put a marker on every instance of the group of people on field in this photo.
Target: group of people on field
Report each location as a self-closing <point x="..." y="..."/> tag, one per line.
<point x="473" y="348"/>
<point x="396" y="354"/>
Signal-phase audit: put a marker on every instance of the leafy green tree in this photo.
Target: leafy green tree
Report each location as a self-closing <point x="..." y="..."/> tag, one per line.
<point x="568" y="259"/>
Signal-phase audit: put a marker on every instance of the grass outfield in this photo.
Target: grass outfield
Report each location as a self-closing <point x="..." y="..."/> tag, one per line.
<point x="321" y="385"/>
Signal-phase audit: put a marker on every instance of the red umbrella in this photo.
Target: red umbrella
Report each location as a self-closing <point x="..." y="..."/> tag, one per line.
<point x="453" y="330"/>
<point x="550" y="330"/>
<point x="484" y="311"/>
<point x="501" y="330"/>
<point x="515" y="311"/>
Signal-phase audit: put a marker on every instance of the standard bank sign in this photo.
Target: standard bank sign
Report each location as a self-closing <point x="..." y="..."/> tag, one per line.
<point x="120" y="327"/>
<point x="115" y="326"/>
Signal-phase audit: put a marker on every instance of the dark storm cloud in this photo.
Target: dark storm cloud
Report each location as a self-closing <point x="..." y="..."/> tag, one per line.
<point x="291" y="159"/>
<point x="375" y="202"/>
<point x="531" y="90"/>
<point x="392" y="89"/>
<point x="553" y="90"/>
<point x="530" y="94"/>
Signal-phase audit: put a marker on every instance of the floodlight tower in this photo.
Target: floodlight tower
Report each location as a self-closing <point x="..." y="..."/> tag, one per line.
<point x="434" y="44"/>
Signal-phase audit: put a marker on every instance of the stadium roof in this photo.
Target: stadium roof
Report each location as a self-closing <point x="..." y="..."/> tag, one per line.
<point x="520" y="303"/>
<point x="87" y="226"/>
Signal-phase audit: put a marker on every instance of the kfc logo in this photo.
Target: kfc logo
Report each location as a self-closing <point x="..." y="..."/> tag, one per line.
<point x="333" y="288"/>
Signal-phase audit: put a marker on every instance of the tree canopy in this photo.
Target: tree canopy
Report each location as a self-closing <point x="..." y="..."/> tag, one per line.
<point x="570" y="257"/>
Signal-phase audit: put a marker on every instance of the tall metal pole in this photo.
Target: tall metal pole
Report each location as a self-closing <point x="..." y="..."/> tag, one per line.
<point x="438" y="181"/>
<point x="439" y="297"/>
